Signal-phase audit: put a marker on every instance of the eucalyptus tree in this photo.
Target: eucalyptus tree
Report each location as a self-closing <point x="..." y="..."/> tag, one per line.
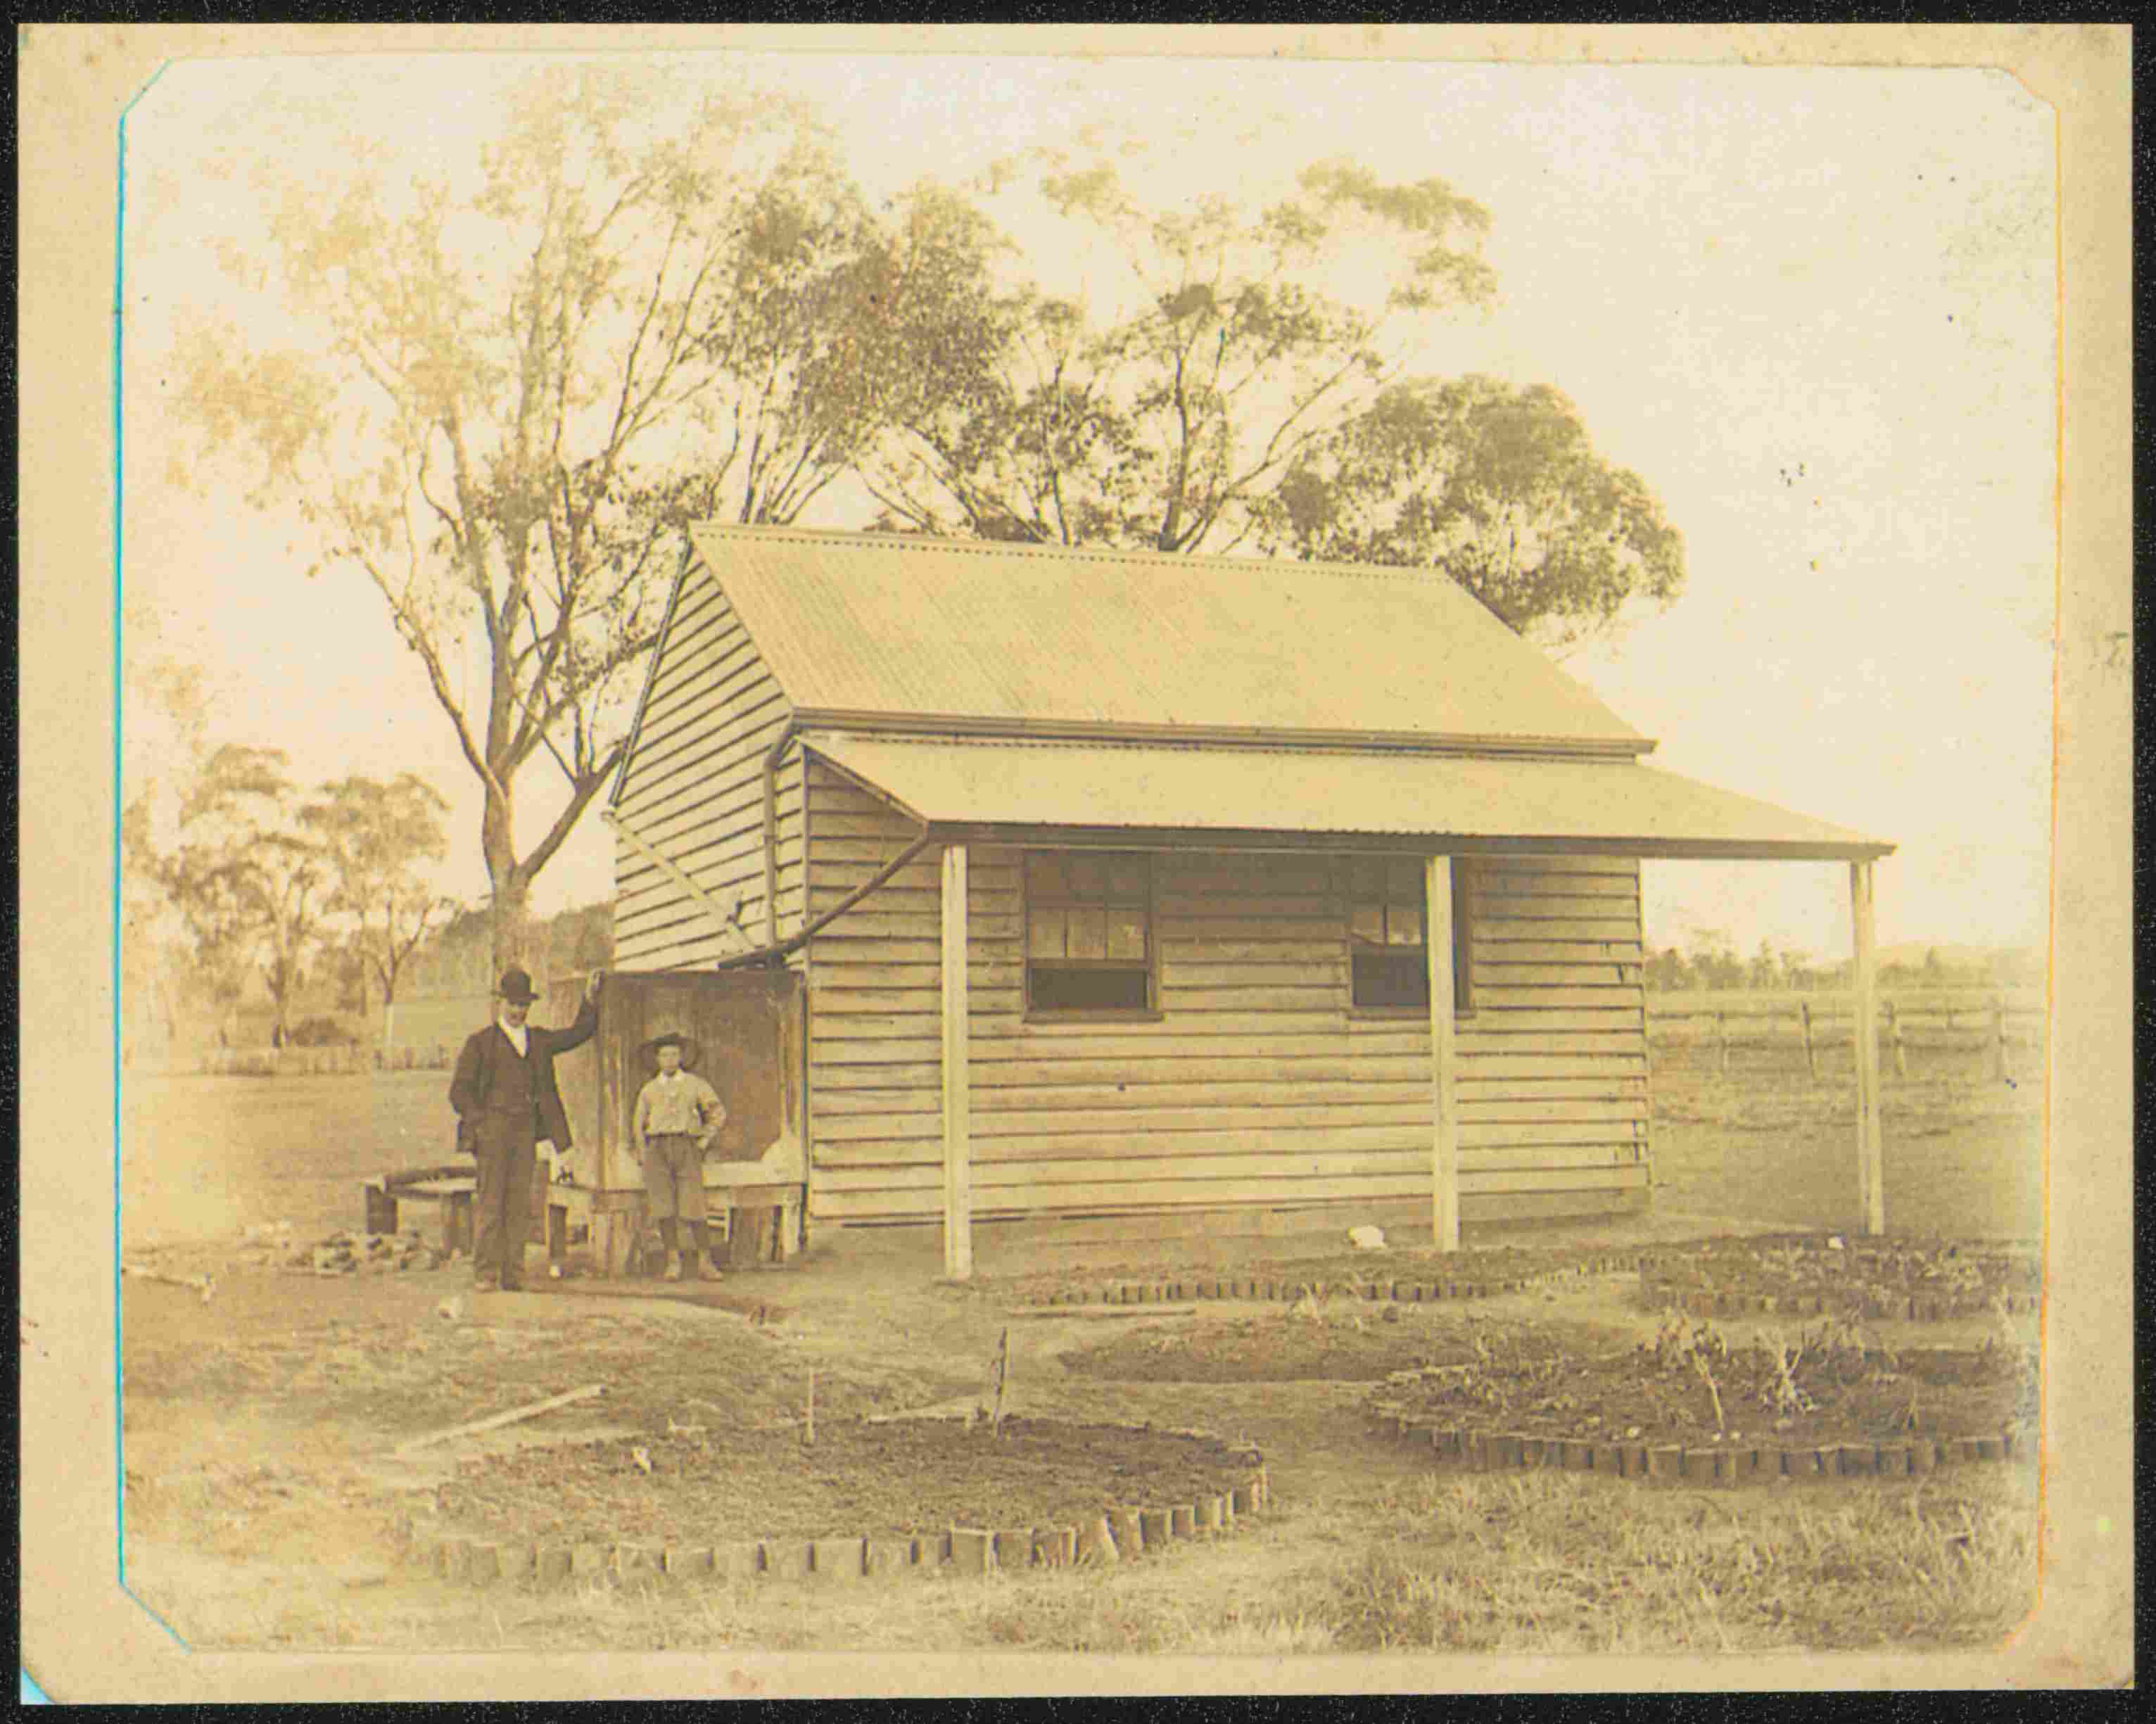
<point x="1499" y="487"/>
<point x="499" y="389"/>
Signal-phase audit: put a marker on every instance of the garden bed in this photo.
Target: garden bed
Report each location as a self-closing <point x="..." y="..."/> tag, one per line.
<point x="1334" y="1342"/>
<point x="1409" y="1277"/>
<point x="1806" y="1275"/>
<point x="1811" y="1392"/>
<point x="889" y="1479"/>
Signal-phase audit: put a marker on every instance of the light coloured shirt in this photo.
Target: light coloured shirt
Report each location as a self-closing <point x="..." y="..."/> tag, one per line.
<point x="683" y="1102"/>
<point x="517" y="1039"/>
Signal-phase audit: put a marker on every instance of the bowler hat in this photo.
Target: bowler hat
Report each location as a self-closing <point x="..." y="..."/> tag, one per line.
<point x="516" y="987"/>
<point x="648" y="1052"/>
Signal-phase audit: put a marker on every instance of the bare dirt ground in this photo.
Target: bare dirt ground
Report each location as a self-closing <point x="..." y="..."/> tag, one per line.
<point x="260" y="1427"/>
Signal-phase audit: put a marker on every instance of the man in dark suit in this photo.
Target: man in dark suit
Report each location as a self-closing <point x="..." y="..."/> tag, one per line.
<point x="506" y="1101"/>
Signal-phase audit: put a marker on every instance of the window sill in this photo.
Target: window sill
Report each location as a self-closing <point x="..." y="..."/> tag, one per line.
<point x="1407" y="1014"/>
<point x="1099" y="1016"/>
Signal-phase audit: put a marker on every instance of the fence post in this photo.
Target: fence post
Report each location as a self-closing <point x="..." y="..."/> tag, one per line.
<point x="1721" y="1039"/>
<point x="1811" y="1058"/>
<point x="1999" y="1035"/>
<point x="1894" y="1040"/>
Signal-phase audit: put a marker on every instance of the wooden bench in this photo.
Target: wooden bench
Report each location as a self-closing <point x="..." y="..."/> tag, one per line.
<point x="752" y="1201"/>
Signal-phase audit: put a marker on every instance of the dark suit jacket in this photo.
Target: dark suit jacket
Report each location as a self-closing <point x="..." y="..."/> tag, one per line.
<point x="515" y="1102"/>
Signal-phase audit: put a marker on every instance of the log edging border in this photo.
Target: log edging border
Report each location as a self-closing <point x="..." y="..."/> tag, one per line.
<point x="1865" y="1305"/>
<point x="1287" y="1289"/>
<point x="1119" y="1533"/>
<point x="1638" y="1461"/>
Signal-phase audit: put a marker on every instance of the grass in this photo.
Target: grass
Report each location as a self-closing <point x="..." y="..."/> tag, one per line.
<point x="1545" y="1564"/>
<point x="1539" y="1563"/>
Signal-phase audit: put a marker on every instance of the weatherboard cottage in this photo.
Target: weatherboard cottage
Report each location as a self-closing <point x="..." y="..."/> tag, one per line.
<point x="1124" y="885"/>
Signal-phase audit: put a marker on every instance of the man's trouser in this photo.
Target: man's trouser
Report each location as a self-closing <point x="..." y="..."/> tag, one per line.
<point x="501" y="1206"/>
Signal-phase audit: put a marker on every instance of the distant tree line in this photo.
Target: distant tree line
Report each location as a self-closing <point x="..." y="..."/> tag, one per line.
<point x="303" y="891"/>
<point x="1709" y="959"/>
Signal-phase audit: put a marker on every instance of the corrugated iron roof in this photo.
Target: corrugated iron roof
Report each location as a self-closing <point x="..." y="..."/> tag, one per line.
<point x="1620" y="805"/>
<point x="884" y="624"/>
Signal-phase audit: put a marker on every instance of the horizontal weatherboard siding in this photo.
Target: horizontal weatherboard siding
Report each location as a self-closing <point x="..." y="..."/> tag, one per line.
<point x="1258" y="1084"/>
<point x="693" y="790"/>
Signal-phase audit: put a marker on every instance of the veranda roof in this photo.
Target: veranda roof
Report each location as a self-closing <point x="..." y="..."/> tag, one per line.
<point x="1227" y="795"/>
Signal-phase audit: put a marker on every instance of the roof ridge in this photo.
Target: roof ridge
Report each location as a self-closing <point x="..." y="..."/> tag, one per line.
<point x="1092" y="553"/>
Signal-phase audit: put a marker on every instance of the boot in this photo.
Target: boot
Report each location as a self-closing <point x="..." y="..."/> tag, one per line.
<point x="674" y="1266"/>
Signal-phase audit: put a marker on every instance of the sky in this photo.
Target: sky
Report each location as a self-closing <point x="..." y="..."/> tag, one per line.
<point x="1813" y="308"/>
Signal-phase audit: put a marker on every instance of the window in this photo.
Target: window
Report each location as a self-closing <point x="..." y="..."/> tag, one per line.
<point x="1386" y="935"/>
<point x="1089" y="944"/>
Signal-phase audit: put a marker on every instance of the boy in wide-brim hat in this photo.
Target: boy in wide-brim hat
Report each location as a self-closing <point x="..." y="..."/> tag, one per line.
<point x="677" y="1116"/>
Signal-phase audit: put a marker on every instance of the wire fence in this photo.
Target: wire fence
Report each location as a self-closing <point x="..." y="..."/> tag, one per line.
<point x="2001" y="1026"/>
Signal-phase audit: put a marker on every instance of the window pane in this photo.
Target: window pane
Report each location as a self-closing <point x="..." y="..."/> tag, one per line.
<point x="1089" y="933"/>
<point x="1088" y="878"/>
<point x="1391" y="979"/>
<point x="1366" y="881"/>
<point x="1043" y="875"/>
<point x="1406" y="881"/>
<point x="1367" y="922"/>
<point x="1127" y="934"/>
<point x="1044" y="933"/>
<point x="1126" y="879"/>
<point x="1403" y="927"/>
<point x="1060" y="990"/>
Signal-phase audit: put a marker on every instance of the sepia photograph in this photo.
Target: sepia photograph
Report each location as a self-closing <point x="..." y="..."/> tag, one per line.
<point x="1209" y="868"/>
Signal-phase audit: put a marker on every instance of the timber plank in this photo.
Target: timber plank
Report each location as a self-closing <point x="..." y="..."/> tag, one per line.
<point x="1283" y="1124"/>
<point x="1518" y="1020"/>
<point x="729" y="801"/>
<point x="1493" y="929"/>
<point x="760" y="707"/>
<point x="984" y="1001"/>
<point x="898" y="1137"/>
<point x="1284" y="1091"/>
<point x="1501" y="976"/>
<point x="1507" y="887"/>
<point x="730" y="663"/>
<point x="1483" y="1110"/>
<point x="1557" y="951"/>
<point x="873" y="1053"/>
<point x="1498" y="999"/>
<point x="840" y="975"/>
<point x="1531" y="864"/>
<point x="1285" y="1119"/>
<point x="834" y="1203"/>
<point x="880" y="828"/>
<point x="1555" y="1054"/>
<point x="903" y="1164"/>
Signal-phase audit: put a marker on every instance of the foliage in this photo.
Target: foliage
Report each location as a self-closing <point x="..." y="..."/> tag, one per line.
<point x="1167" y="422"/>
<point x="374" y="836"/>
<point x="250" y="881"/>
<point x="1711" y="962"/>
<point x="1498" y="487"/>
<point x="318" y="1033"/>
<point x="506" y="394"/>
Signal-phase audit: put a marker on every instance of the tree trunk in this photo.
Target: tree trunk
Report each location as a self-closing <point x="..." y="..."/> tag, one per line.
<point x="508" y="916"/>
<point x="510" y="920"/>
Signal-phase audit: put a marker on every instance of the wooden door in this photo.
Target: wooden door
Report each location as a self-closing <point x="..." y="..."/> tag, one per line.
<point x="747" y="1025"/>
